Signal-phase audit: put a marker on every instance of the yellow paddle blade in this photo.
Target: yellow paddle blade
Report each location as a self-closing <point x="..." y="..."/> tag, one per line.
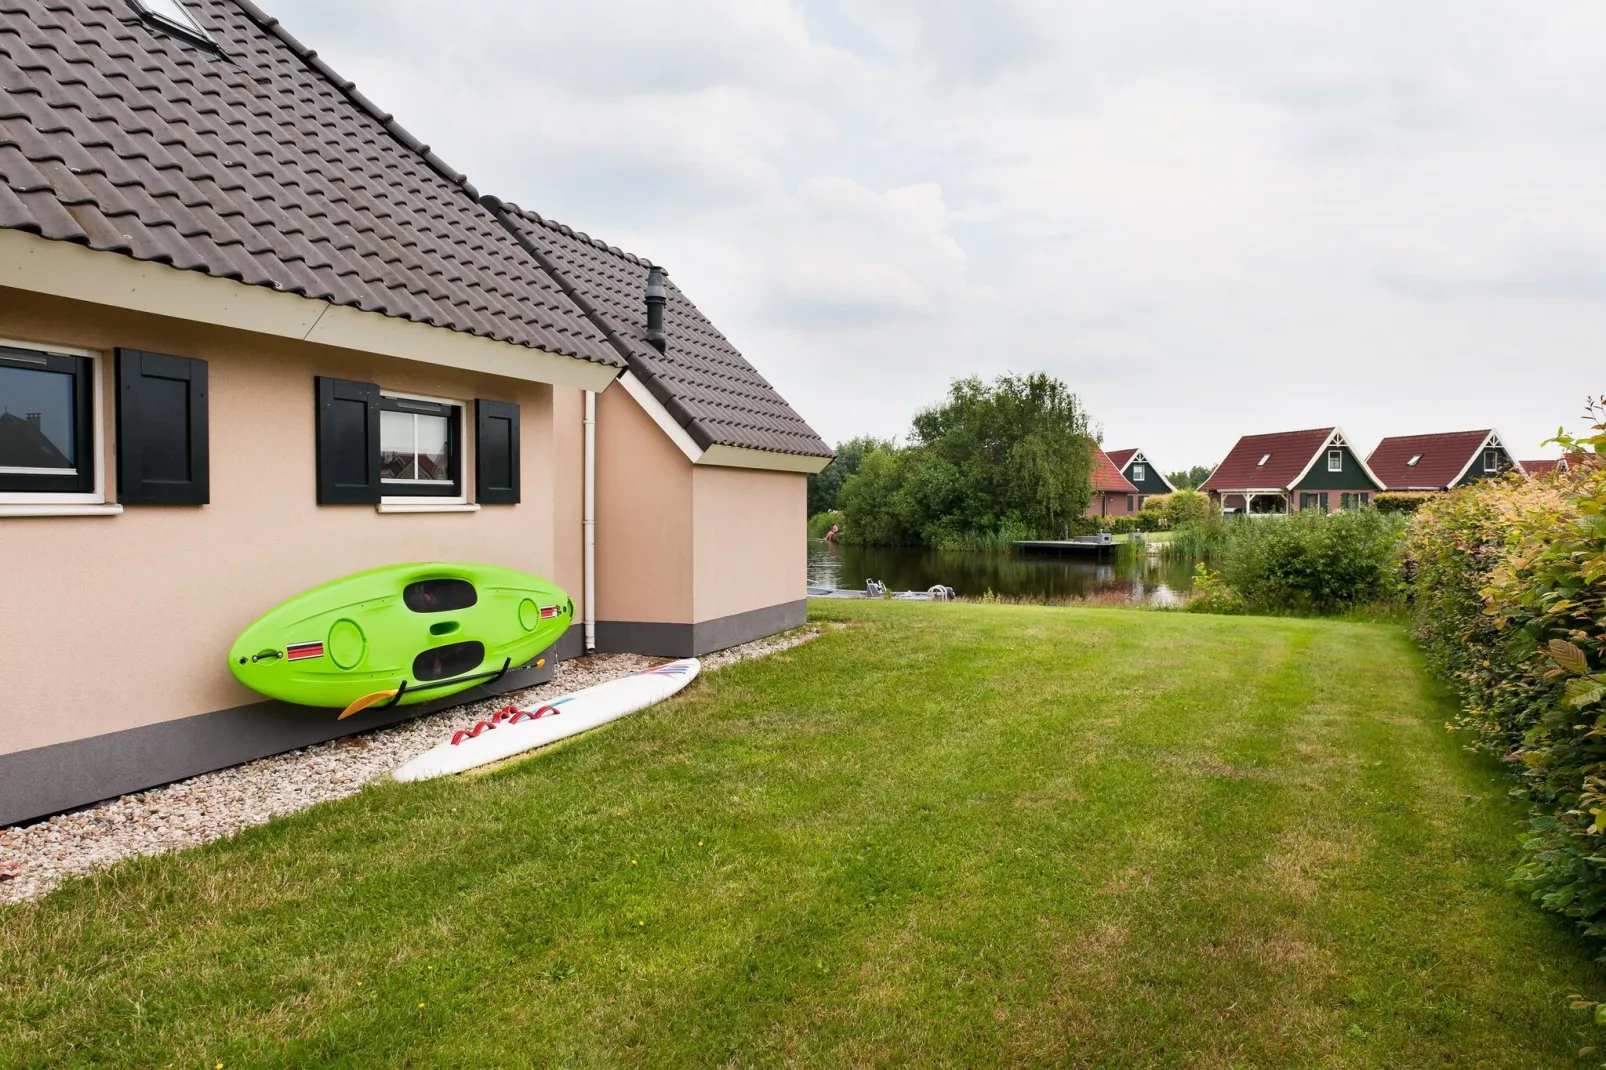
<point x="366" y="701"/>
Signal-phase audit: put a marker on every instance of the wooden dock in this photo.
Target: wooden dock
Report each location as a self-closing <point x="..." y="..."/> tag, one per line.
<point x="1089" y="545"/>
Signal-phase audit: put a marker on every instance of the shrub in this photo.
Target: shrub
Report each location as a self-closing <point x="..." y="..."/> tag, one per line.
<point x="1402" y="501"/>
<point x="1511" y="606"/>
<point x="1453" y="545"/>
<point x="820" y="523"/>
<point x="1213" y="594"/>
<point x="1313" y="562"/>
<point x="1187" y="507"/>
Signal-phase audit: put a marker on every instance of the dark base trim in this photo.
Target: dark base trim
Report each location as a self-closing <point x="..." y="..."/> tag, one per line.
<point x="695" y="640"/>
<point x="572" y="645"/>
<point x="63" y="776"/>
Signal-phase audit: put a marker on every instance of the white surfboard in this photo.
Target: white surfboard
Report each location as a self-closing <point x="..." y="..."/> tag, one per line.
<point x="513" y="731"/>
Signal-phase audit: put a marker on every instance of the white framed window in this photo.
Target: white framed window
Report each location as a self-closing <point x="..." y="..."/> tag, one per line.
<point x="1263" y="460"/>
<point x="174" y="16"/>
<point x="420" y="449"/>
<point x="1140" y="473"/>
<point x="1491" y="460"/>
<point x="1335" y="460"/>
<point x="1415" y="457"/>
<point x="52" y="430"/>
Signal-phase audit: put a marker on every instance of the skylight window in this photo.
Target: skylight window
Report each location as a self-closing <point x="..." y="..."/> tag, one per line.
<point x="174" y="16"/>
<point x="1415" y="457"/>
<point x="1263" y="460"/>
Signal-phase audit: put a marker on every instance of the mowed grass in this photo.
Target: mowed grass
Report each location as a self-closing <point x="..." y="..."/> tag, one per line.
<point x="946" y="835"/>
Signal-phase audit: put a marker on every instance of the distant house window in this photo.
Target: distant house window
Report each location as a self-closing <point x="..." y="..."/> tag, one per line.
<point x="1140" y="474"/>
<point x="1355" y="501"/>
<point x="1130" y="506"/>
<point x="420" y="447"/>
<point x="1415" y="457"/>
<point x="1263" y="460"/>
<point x="47" y="423"/>
<point x="1335" y="460"/>
<point x="1491" y="460"/>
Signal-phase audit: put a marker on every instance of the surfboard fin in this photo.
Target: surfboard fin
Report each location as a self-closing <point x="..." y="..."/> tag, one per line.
<point x="366" y="701"/>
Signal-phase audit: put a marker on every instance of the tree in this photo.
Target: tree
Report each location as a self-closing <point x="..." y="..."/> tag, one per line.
<point x="825" y="487"/>
<point x="1006" y="459"/>
<point x="1190" y="479"/>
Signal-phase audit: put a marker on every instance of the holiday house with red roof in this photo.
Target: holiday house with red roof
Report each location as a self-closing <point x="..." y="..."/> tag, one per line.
<point x="1441" y="461"/>
<point x="1135" y="468"/>
<point x="1113" y="493"/>
<point x="1292" y="470"/>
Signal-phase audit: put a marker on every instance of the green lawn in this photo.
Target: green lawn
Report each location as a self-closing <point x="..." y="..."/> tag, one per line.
<point x="948" y="835"/>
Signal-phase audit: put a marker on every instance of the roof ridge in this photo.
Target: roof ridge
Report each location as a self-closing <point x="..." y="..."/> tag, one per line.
<point x="493" y="203"/>
<point x="348" y="89"/>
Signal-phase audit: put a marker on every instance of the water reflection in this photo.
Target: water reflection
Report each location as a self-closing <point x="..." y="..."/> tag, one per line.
<point x="905" y="568"/>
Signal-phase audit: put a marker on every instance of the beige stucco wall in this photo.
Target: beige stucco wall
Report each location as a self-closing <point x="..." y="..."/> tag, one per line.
<point x="644" y="517"/>
<point x="115" y="622"/>
<point x="750" y="546"/>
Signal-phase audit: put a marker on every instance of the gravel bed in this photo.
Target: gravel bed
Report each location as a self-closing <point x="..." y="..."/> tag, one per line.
<point x="36" y="858"/>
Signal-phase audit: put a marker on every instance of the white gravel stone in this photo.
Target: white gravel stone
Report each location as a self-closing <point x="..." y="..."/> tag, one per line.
<point x="35" y="858"/>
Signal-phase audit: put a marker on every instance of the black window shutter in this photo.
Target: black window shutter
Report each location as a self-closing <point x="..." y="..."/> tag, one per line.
<point x="162" y="456"/>
<point x="496" y="452"/>
<point x="348" y="442"/>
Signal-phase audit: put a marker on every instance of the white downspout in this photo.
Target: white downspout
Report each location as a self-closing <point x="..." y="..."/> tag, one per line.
<point x="589" y="521"/>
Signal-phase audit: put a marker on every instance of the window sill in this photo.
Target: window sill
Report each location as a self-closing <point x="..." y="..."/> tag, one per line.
<point x="60" y="509"/>
<point x="427" y="507"/>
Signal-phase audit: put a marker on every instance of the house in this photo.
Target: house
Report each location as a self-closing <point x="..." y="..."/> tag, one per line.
<point x="1135" y="468"/>
<point x="1536" y="469"/>
<point x="1292" y="470"/>
<point x="254" y="337"/>
<point x="1440" y="461"/>
<point x="1113" y="494"/>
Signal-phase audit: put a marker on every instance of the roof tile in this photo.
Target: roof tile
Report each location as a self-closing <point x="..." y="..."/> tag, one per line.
<point x="1440" y="459"/>
<point x="257" y="164"/>
<point x="1286" y="454"/>
<point x="701" y="379"/>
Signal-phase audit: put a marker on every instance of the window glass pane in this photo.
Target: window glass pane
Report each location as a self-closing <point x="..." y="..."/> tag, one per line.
<point x="173" y="12"/>
<point x="36" y="419"/>
<point x="433" y="462"/>
<point x="397" y="445"/>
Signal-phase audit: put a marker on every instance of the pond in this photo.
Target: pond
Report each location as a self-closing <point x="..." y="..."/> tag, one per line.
<point x="1120" y="577"/>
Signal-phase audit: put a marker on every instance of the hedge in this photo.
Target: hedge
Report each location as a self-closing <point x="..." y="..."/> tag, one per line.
<point x="1510" y="604"/>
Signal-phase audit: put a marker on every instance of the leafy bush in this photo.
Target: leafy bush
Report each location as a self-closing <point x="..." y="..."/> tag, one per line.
<point x="1402" y="501"/>
<point x="1313" y="562"/>
<point x="820" y="523"/>
<point x="1511" y="606"/>
<point x="1213" y="594"/>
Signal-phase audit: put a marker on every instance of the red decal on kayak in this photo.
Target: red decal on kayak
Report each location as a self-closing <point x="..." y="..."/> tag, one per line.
<point x="303" y="651"/>
<point x="548" y="612"/>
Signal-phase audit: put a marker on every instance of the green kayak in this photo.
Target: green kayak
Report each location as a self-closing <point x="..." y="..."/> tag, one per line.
<point x="399" y="635"/>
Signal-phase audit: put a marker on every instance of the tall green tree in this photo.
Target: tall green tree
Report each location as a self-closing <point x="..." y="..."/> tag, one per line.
<point x="1190" y="478"/>
<point x="1006" y="458"/>
<point x="825" y="487"/>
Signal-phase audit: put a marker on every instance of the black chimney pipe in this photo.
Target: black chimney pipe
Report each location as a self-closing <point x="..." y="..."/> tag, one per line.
<point x="657" y="297"/>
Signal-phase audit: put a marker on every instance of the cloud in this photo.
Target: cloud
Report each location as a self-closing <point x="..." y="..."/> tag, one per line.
<point x="1210" y="217"/>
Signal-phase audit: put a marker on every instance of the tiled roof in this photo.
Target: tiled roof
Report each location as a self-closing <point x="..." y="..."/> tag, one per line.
<point x="1286" y="453"/>
<point x="1440" y="458"/>
<point x="258" y="164"/>
<point x="1119" y="457"/>
<point x="1107" y="477"/>
<point x="1541" y="468"/>
<point x="706" y="385"/>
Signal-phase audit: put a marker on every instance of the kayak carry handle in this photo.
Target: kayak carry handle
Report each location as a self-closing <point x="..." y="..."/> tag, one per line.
<point x="362" y="704"/>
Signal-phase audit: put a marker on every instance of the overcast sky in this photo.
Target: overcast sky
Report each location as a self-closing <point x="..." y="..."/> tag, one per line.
<point x="1208" y="218"/>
